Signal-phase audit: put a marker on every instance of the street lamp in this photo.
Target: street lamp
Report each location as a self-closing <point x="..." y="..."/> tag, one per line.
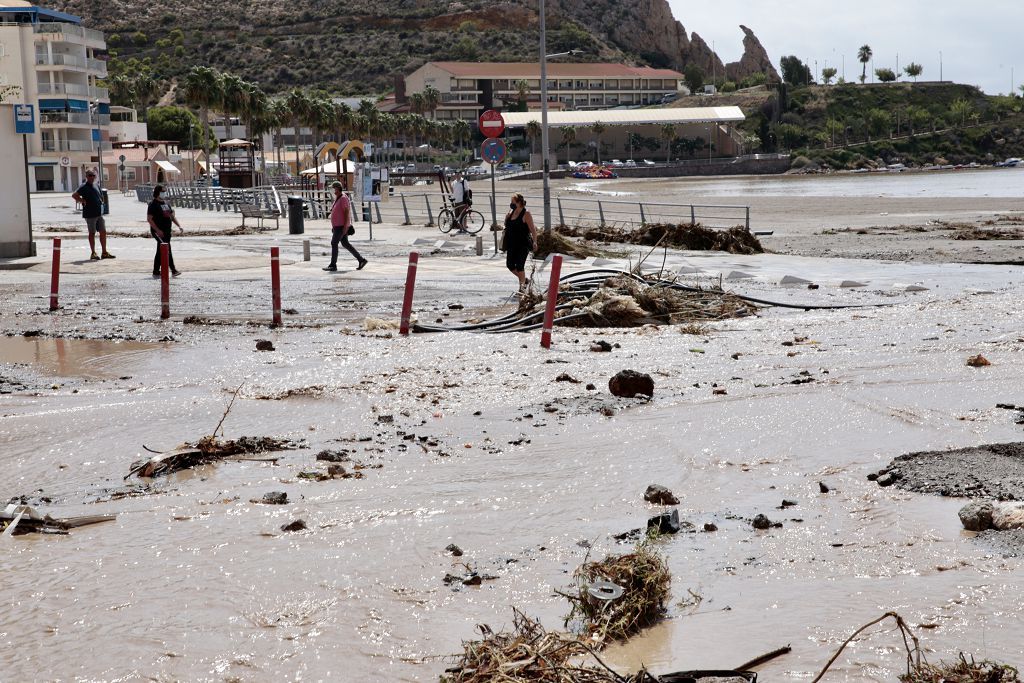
<point x="191" y="155"/>
<point x="544" y="142"/>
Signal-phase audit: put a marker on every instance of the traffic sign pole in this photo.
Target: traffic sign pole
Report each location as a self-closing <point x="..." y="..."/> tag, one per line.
<point x="494" y="212"/>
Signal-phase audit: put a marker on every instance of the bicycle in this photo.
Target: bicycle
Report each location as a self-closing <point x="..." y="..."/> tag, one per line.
<point x="473" y="221"/>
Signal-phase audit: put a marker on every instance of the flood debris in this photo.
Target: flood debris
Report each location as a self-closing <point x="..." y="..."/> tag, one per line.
<point x="990" y="471"/>
<point x="644" y="580"/>
<point x="689" y="236"/>
<point x="529" y="652"/>
<point x="453" y="550"/>
<point x="207" y="450"/>
<point x="978" y="361"/>
<point x="294" y="526"/>
<point x="630" y="383"/>
<point x="919" y="670"/>
<point x="17" y="520"/>
<point x="601" y="346"/>
<point x="272" y="498"/>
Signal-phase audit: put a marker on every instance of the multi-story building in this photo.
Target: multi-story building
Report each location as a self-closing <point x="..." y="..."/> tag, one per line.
<point x="55" y="62"/>
<point x="468" y="88"/>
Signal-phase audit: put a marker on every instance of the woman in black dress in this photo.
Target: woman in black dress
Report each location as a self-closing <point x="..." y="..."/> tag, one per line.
<point x="520" y="236"/>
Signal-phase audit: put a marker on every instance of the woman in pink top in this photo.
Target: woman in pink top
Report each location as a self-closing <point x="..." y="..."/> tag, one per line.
<point x="341" y="228"/>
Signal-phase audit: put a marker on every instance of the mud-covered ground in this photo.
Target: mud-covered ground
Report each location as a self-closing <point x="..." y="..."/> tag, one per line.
<point x="470" y="439"/>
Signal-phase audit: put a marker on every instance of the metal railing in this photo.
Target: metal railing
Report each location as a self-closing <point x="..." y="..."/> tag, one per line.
<point x="68" y="30"/>
<point x="226" y="199"/>
<point x="73" y="146"/>
<point x="422" y="209"/>
<point x="82" y="118"/>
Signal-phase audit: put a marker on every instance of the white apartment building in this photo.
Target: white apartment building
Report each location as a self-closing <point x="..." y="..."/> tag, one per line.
<point x="54" y="61"/>
<point x="467" y="88"/>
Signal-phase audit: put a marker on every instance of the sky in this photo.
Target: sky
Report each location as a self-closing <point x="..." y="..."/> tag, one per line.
<point x="981" y="42"/>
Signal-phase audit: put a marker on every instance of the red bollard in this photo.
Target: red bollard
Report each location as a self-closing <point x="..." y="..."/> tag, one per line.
<point x="275" y="282"/>
<point x="549" y="310"/>
<point x="165" y="284"/>
<point x="410" y="286"/>
<point x="55" y="274"/>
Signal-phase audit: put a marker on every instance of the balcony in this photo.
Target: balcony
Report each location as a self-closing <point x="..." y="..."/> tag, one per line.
<point x="75" y="118"/>
<point x="61" y="31"/>
<point x="60" y="60"/>
<point x="97" y="65"/>
<point x="74" y="90"/>
<point x="72" y="146"/>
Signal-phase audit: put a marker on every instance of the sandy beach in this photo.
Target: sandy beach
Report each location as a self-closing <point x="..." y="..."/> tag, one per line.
<point x="467" y="439"/>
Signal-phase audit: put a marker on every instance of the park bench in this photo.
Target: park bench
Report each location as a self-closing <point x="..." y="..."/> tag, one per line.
<point x="254" y="211"/>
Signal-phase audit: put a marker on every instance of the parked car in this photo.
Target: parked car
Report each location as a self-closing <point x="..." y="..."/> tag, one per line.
<point x="648" y="162"/>
<point x="615" y="162"/>
<point x="630" y="163"/>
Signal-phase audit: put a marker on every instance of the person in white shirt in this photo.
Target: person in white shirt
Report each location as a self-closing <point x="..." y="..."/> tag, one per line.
<point x="462" y="198"/>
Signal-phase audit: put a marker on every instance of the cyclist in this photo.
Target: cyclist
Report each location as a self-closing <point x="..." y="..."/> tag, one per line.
<point x="462" y="198"/>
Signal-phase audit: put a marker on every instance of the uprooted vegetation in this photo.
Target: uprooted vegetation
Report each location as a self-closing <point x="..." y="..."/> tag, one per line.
<point x="620" y="595"/>
<point x="628" y="301"/>
<point x="529" y="652"/>
<point x="962" y="671"/>
<point x="690" y="236"/>
<point x="206" y="450"/>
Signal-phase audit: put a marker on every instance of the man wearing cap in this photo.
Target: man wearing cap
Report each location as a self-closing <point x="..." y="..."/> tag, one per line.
<point x="88" y="195"/>
<point x="341" y="228"/>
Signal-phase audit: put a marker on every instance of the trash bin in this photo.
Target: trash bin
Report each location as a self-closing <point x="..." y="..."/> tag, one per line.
<point x="296" y="220"/>
<point x="105" y="201"/>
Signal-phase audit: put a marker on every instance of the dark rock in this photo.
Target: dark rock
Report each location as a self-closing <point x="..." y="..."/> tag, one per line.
<point x="977" y="516"/>
<point x="709" y="527"/>
<point x="601" y="346"/>
<point x="823" y="487"/>
<point x="566" y="377"/>
<point x="886" y="479"/>
<point x="873" y="476"/>
<point x="591" y="387"/>
<point x="451" y="578"/>
<point x="455" y="550"/>
<point x="629" y="383"/>
<point x="1006" y="406"/>
<point x="31" y="333"/>
<point x="335" y="470"/>
<point x="788" y="504"/>
<point x="631" y="535"/>
<point x="667" y="523"/>
<point x="761" y="522"/>
<point x="297" y="525"/>
<point x="264" y="345"/>
<point x="455" y="307"/>
<point x="386" y="419"/>
<point x="333" y="456"/>
<point x="274" y="498"/>
<point x="659" y="495"/>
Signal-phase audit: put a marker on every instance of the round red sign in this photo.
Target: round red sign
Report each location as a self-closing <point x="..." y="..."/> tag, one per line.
<point x="491" y="124"/>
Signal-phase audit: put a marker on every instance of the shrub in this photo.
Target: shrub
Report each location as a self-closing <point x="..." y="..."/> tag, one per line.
<point x="800" y="162"/>
<point x="728" y="86"/>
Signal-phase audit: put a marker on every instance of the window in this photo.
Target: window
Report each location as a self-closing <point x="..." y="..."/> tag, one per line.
<point x="129" y="174"/>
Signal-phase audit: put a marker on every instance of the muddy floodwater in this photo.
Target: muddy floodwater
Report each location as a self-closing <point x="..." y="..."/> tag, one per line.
<point x="467" y="439"/>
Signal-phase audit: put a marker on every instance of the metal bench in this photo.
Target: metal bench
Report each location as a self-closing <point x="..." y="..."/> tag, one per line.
<point x="254" y="211"/>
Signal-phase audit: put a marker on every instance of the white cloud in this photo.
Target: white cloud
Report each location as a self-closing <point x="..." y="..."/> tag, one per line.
<point x="980" y="41"/>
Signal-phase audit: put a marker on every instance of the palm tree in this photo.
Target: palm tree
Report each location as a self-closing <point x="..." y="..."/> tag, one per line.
<point x="522" y="88"/>
<point x="277" y="116"/>
<point x="202" y="90"/>
<point x="431" y="100"/>
<point x="463" y="133"/>
<point x="568" y="137"/>
<point x="254" y="104"/>
<point x="913" y="70"/>
<point x="668" y="134"/>
<point x="533" y="132"/>
<point x="298" y="105"/>
<point x="232" y="99"/>
<point x="598" y="128"/>
<point x="122" y="90"/>
<point x="864" y="54"/>
<point x="416" y="103"/>
<point x="961" y="109"/>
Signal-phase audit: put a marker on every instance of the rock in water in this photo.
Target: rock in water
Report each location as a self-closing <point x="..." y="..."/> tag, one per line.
<point x="667" y="523"/>
<point x="976" y="516"/>
<point x="297" y="525"/>
<point x="762" y="522"/>
<point x="1008" y="516"/>
<point x="275" y="498"/>
<point x="455" y="550"/>
<point x="659" y="495"/>
<point x="629" y="383"/>
<point x="264" y="345"/>
<point x="823" y="487"/>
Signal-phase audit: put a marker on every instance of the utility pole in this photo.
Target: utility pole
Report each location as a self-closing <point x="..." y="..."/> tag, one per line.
<point x="544" y="141"/>
<point x="940" y="66"/>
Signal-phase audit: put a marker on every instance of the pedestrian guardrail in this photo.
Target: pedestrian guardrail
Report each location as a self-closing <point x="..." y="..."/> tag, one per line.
<point x="423" y="208"/>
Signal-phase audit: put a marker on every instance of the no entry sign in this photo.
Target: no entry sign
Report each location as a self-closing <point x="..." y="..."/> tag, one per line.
<point x="491" y="124"/>
<point x="493" y="151"/>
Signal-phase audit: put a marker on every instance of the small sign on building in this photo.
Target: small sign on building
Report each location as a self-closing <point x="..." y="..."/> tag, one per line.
<point x="24" y="119"/>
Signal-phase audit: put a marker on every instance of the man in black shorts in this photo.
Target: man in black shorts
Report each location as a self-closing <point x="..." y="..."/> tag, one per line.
<point x="88" y="195"/>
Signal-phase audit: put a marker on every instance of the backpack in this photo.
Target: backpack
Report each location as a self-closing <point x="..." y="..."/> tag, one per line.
<point x="468" y="195"/>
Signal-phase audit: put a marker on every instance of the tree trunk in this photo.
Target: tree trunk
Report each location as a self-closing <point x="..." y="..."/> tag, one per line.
<point x="204" y="111"/>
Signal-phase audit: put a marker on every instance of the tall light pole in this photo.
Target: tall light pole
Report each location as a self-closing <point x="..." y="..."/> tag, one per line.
<point x="544" y="138"/>
<point x="940" y="66"/>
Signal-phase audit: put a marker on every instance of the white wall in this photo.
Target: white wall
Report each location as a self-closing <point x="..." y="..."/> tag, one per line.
<point x="15" y="228"/>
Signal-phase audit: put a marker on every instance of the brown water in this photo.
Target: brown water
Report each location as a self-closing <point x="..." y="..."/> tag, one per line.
<point x="195" y="582"/>
<point x="91" y="358"/>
